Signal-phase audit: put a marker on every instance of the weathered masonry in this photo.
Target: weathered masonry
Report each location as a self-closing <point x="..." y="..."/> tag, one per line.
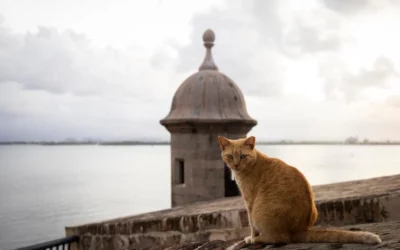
<point x="339" y="204"/>
<point x="207" y="104"/>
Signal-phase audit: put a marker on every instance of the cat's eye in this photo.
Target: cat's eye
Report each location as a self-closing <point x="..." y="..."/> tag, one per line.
<point x="229" y="156"/>
<point x="243" y="156"/>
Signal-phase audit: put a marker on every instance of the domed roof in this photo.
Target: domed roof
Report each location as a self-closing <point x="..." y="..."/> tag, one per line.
<point x="208" y="96"/>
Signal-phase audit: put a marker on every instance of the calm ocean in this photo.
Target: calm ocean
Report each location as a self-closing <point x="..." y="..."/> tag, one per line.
<point x="45" y="188"/>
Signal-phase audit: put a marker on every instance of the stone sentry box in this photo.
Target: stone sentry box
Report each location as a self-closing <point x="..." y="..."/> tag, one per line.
<point x="207" y="104"/>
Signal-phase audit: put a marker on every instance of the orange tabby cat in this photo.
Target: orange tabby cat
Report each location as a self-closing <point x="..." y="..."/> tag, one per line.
<point x="279" y="200"/>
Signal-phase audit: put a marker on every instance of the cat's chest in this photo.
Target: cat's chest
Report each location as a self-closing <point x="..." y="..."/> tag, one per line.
<point x="247" y="189"/>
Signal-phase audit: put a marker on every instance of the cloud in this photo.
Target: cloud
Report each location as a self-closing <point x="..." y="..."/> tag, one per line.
<point x="296" y="118"/>
<point x="313" y="37"/>
<point x="238" y="52"/>
<point x="271" y="38"/>
<point x="394" y="100"/>
<point x="307" y="69"/>
<point x="347" y="6"/>
<point x="66" y="63"/>
<point x="276" y="50"/>
<point x="351" y="85"/>
<point x="39" y="114"/>
<point x="359" y="7"/>
<point x="55" y="85"/>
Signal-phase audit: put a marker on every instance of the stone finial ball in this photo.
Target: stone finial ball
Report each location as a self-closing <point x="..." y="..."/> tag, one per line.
<point x="209" y="36"/>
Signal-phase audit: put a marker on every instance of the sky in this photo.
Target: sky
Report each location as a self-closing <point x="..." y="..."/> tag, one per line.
<point x="102" y="69"/>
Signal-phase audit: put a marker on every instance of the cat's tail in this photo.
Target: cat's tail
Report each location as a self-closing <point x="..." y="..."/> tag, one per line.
<point x="338" y="236"/>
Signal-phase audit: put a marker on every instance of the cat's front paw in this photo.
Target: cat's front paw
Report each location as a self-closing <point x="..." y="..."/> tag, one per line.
<point x="249" y="240"/>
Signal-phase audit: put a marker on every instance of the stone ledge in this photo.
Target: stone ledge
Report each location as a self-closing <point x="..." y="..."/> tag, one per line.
<point x="351" y="189"/>
<point x="388" y="231"/>
<point x="355" y="202"/>
<point x="352" y="202"/>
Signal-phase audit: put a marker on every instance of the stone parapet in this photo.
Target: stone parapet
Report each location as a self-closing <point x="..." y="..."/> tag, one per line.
<point x="388" y="231"/>
<point x="339" y="204"/>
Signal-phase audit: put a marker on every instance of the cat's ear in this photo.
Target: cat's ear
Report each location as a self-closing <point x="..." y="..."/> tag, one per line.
<point x="251" y="142"/>
<point x="223" y="142"/>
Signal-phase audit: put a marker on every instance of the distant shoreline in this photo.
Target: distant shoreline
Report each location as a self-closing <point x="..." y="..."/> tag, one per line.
<point x="140" y="143"/>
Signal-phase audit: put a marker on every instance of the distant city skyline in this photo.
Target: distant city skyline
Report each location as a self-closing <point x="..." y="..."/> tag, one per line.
<point x="85" y="141"/>
<point x="309" y="70"/>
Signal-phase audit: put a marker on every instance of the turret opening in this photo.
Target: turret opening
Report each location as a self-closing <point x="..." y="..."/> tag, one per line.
<point x="231" y="188"/>
<point x="179" y="172"/>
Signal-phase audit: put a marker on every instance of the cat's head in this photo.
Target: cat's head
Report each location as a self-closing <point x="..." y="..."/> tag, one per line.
<point x="238" y="154"/>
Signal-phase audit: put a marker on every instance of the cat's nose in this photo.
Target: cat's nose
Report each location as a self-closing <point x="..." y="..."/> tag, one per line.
<point x="236" y="165"/>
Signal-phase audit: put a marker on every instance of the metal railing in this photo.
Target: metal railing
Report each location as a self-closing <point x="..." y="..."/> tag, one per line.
<point x="62" y="243"/>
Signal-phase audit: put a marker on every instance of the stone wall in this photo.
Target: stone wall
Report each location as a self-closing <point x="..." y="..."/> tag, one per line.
<point x="389" y="232"/>
<point x="347" y="203"/>
<point x="204" y="168"/>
